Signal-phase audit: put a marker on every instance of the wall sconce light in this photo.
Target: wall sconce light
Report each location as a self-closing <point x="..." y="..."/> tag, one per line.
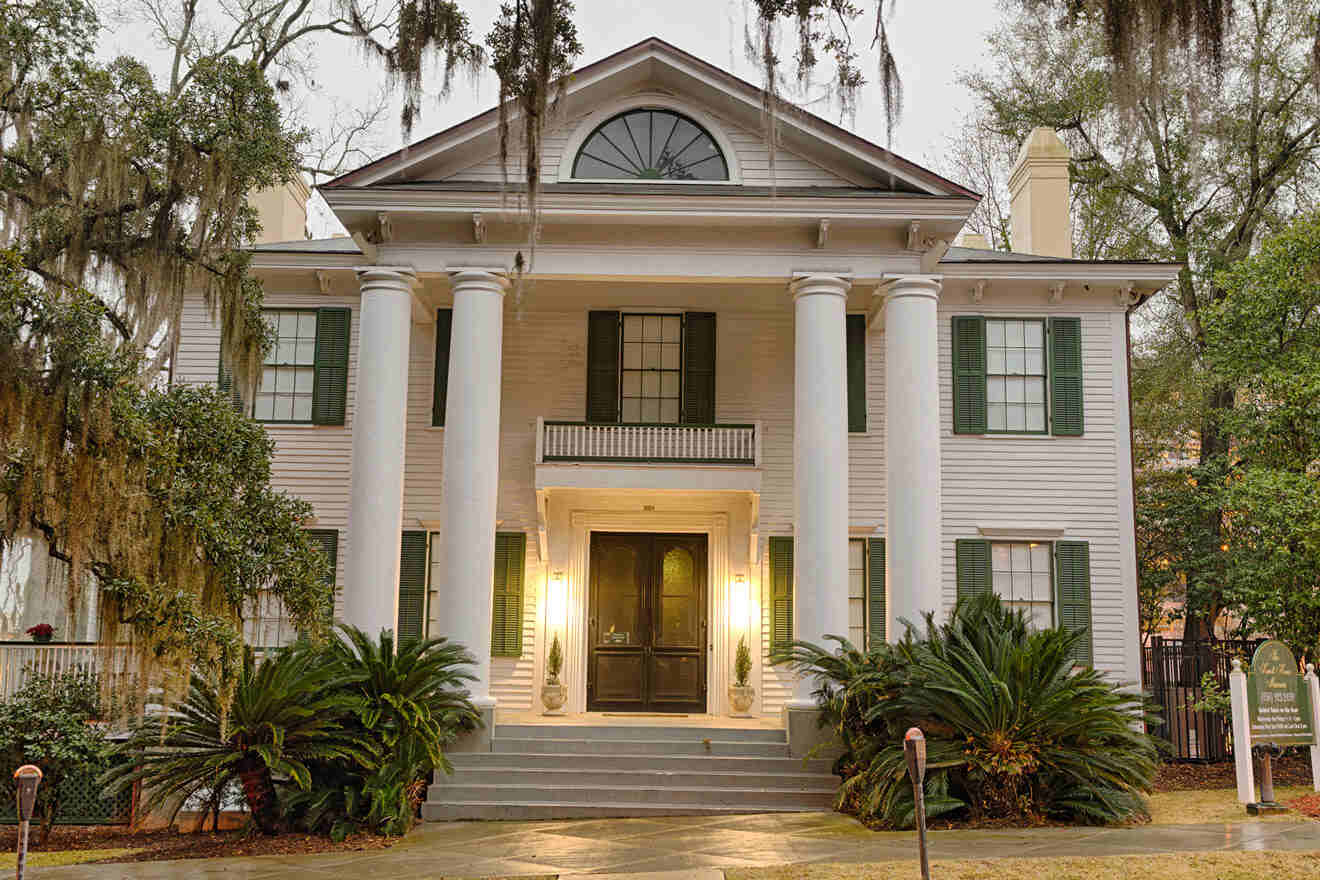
<point x="739" y="601"/>
<point x="556" y="600"/>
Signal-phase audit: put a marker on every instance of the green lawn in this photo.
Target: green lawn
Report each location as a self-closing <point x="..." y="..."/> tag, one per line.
<point x="9" y="861"/>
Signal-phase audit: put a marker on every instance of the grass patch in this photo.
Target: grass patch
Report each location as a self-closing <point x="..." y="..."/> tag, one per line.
<point x="1215" y="805"/>
<point x="1174" y="866"/>
<point x="56" y="858"/>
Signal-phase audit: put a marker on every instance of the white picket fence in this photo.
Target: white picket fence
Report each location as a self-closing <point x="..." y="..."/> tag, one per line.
<point x="694" y="444"/>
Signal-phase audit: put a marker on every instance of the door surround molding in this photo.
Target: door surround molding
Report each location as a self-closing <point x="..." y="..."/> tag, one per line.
<point x="715" y="526"/>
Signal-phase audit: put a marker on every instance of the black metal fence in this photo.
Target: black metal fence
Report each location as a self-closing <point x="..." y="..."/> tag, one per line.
<point x="1171" y="673"/>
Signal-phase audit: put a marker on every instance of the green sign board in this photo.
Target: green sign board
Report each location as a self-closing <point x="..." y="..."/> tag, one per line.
<point x="1278" y="701"/>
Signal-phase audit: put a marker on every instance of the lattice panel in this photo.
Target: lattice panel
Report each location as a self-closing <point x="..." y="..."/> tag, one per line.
<point x="82" y="801"/>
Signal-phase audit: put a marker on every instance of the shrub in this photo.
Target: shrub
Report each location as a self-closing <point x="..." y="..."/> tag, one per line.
<point x="46" y="723"/>
<point x="742" y="663"/>
<point x="284" y="714"/>
<point x="1013" y="729"/>
<point x="408" y="704"/>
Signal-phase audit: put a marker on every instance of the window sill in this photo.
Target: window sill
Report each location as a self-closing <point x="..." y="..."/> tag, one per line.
<point x="1008" y="436"/>
<point x="297" y="426"/>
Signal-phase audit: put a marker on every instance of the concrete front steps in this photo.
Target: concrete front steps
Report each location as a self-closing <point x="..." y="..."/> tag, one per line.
<point x="539" y="771"/>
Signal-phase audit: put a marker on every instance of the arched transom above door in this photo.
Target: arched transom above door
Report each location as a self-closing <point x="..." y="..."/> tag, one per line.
<point x="650" y="143"/>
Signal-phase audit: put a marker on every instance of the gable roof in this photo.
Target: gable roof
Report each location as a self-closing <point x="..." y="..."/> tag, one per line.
<point x="651" y="59"/>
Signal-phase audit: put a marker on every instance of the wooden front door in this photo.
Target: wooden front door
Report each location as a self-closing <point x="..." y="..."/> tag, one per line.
<point x="647" y="628"/>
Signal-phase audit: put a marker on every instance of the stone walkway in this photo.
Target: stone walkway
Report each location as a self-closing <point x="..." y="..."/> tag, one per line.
<point x="485" y="849"/>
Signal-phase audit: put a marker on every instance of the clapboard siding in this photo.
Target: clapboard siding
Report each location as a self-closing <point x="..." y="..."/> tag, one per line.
<point x="1066" y="482"/>
<point x="312" y="462"/>
<point x="1071" y="483"/>
<point x="750" y="149"/>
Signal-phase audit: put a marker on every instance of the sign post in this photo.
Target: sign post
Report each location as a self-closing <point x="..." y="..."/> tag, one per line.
<point x="914" y="749"/>
<point x="1246" y="777"/>
<point x="1313" y="688"/>
<point x="27" y="778"/>
<point x="1279" y="713"/>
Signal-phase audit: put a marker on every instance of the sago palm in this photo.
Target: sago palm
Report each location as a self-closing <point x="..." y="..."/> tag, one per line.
<point x="285" y="713"/>
<point x="1014" y="729"/>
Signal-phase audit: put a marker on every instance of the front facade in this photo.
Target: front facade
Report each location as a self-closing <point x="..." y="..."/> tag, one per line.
<point x="732" y="399"/>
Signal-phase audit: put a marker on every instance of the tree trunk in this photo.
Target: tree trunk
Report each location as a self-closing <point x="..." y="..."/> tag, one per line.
<point x="259" y="790"/>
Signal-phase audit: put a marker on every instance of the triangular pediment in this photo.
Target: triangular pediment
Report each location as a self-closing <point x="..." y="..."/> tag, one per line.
<point x="811" y="152"/>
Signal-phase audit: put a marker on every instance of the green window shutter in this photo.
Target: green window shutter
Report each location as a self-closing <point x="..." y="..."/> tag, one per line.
<point x="412" y="587"/>
<point x="444" y="325"/>
<point x="781" y="592"/>
<point x="507" y="602"/>
<point x="603" y="367"/>
<point x="969" y="374"/>
<point x="1072" y="582"/>
<point x="328" y="541"/>
<point x="699" y="368"/>
<point x="877" y="612"/>
<point x="1066" y="376"/>
<point x="973" y="563"/>
<point x="225" y="384"/>
<point x="330" y="387"/>
<point x="856" y="334"/>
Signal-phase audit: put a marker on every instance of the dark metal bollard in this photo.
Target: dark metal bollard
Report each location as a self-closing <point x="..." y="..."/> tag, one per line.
<point x="27" y="777"/>
<point x="914" y="749"/>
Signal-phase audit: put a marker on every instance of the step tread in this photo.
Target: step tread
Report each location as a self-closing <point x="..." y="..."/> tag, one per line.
<point x="514" y="786"/>
<point x="639" y="807"/>
<point x="576" y="771"/>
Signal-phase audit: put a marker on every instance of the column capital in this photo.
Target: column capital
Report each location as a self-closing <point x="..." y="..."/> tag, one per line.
<point x="488" y="279"/>
<point x="812" y="283"/>
<point x="402" y="277"/>
<point x="898" y="286"/>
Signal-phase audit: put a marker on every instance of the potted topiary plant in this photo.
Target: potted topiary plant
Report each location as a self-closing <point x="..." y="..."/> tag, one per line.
<point x="554" y="693"/>
<point x="741" y="694"/>
<point x="41" y="633"/>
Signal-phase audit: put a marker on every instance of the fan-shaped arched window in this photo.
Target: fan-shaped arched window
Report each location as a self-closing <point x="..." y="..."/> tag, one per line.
<point x="650" y="144"/>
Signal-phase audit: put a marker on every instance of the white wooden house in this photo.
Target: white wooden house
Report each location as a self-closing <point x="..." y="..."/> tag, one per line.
<point x="734" y="398"/>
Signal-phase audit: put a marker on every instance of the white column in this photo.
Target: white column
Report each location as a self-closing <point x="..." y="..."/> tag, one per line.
<point x="820" y="465"/>
<point x="912" y="450"/>
<point x="1312" y="684"/>
<point x="1241" y="727"/>
<point x="375" y="518"/>
<point x="472" y="468"/>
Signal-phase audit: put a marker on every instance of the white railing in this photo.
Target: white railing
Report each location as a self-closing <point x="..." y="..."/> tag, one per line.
<point x="649" y="444"/>
<point x="18" y="661"/>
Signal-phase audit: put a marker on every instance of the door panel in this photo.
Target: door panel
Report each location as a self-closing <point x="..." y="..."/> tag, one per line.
<point x="647" y="631"/>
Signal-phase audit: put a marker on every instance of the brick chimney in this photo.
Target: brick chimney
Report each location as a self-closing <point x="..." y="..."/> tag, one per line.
<point x="1040" y="220"/>
<point x="282" y="210"/>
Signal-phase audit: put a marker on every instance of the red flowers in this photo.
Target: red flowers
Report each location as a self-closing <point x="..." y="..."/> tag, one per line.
<point x="41" y="631"/>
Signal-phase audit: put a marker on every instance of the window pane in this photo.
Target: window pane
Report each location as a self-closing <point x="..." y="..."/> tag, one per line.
<point x="1040" y="557"/>
<point x="650" y="384"/>
<point x="632" y="383"/>
<point x="1001" y="557"/>
<point x="632" y="410"/>
<point x="994" y="390"/>
<point x="267" y="379"/>
<point x="994" y="360"/>
<point x="1042" y="615"/>
<point x="856" y="557"/>
<point x="306" y="351"/>
<point x="1040" y="586"/>
<point x="670" y="356"/>
<point x="1035" y="362"/>
<point x="669" y="383"/>
<point x="1021" y="585"/>
<point x="288" y="325"/>
<point x="1003" y="584"/>
<point x="651" y="328"/>
<point x="283" y="409"/>
<point x="302" y="382"/>
<point x="996" y="417"/>
<point x="1014" y="392"/>
<point x="1033" y="334"/>
<point x="994" y="333"/>
<point x="1021" y="557"/>
<point x="673" y="331"/>
<point x="650" y="411"/>
<point x="1013" y="334"/>
<point x="307" y="325"/>
<point x="669" y="412"/>
<point x="302" y="409"/>
<point x="1035" y="390"/>
<point x="590" y="168"/>
<point x="632" y="328"/>
<point x="1016" y="417"/>
<point x="632" y="355"/>
<point x="1035" y="417"/>
<point x="286" y="350"/>
<point x="651" y="356"/>
<point x="265" y="407"/>
<point x="1015" y="361"/>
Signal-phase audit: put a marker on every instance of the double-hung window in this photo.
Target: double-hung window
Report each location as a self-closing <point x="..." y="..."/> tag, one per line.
<point x="1021" y="577"/>
<point x="651" y="369"/>
<point x="288" y="374"/>
<point x="1017" y="375"/>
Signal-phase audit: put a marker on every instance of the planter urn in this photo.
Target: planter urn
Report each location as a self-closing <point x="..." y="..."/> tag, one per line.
<point x="553" y="696"/>
<point x="740" y="700"/>
<point x="43" y="639"/>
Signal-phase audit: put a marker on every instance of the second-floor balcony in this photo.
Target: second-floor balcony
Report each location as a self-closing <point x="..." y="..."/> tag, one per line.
<point x="625" y="455"/>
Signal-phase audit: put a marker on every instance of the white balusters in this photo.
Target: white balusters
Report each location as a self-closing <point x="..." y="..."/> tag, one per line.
<point x="572" y="441"/>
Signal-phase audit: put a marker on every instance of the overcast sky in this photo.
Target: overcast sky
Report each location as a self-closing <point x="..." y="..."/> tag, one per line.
<point x="932" y="41"/>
